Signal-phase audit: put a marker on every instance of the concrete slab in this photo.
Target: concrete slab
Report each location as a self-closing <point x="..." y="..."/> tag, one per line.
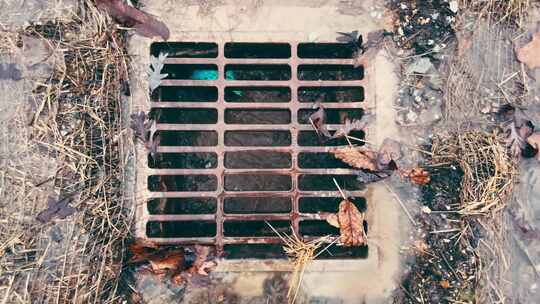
<point x="351" y="281"/>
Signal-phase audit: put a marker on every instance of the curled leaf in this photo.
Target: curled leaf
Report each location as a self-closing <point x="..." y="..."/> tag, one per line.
<point x="154" y="71"/>
<point x="144" y="24"/>
<point x="389" y="151"/>
<point x="332" y="219"/>
<point x="418" y="176"/>
<point x="357" y="157"/>
<point x="318" y="120"/>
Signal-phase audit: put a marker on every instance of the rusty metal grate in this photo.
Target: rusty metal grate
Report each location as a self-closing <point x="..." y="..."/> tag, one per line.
<point x="236" y="147"/>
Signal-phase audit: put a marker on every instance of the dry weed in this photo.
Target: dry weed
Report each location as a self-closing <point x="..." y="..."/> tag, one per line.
<point x="78" y="122"/>
<point x="489" y="171"/>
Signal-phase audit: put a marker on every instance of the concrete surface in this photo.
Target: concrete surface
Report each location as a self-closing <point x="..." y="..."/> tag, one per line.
<point x="346" y="281"/>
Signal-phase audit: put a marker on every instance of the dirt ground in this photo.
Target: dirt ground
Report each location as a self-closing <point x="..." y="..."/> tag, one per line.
<point x="446" y="73"/>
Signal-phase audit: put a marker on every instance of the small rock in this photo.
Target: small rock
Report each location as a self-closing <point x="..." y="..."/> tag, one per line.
<point x="420" y="66"/>
<point x="411" y="116"/>
<point x="454" y="7"/>
<point x="431" y="115"/>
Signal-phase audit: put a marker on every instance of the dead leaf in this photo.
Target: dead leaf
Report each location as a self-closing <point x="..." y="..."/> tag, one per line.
<point x="332" y="219"/>
<point x="389" y="151"/>
<point x="139" y="125"/>
<point x="444" y="284"/>
<point x="318" y="119"/>
<point x="144" y="24"/>
<point x="351" y="225"/>
<point x="351" y="125"/>
<point x="162" y="262"/>
<point x="56" y="208"/>
<point x="145" y="130"/>
<point x="534" y="141"/>
<point x="529" y="53"/>
<point x="418" y="176"/>
<point x="357" y="157"/>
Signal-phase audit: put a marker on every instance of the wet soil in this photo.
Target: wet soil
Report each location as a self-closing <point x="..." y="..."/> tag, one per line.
<point x="443" y="264"/>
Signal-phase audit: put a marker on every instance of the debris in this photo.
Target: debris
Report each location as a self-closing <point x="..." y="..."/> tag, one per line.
<point x="56" y="208"/>
<point x="154" y="71"/>
<point x="420" y="66"/>
<point x="354" y="38"/>
<point x="445" y="284"/>
<point x="332" y="219"/>
<point x="418" y="176"/>
<point x="174" y="261"/>
<point x="357" y="157"/>
<point x="351" y="125"/>
<point x="517" y="130"/>
<point x="351" y="225"/>
<point x="145" y="131"/>
<point x="318" y="120"/>
<point x="144" y="24"/>
<point x="301" y="253"/>
<point x="534" y="141"/>
<point x="528" y="54"/>
<point x="390" y="151"/>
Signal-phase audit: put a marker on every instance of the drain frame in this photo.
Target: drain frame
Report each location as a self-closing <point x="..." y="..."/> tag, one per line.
<point x="294" y="105"/>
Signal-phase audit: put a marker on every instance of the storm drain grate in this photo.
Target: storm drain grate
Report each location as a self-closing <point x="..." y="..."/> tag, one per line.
<point x="237" y="149"/>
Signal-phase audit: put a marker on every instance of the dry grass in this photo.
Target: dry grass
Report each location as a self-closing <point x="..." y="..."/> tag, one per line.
<point x="78" y="123"/>
<point x="488" y="170"/>
<point x="489" y="174"/>
<point x="502" y="10"/>
<point x="301" y="254"/>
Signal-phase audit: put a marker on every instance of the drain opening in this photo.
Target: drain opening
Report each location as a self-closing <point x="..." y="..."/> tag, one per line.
<point x="237" y="150"/>
<point x="184" y="205"/>
<point x="185" y="94"/>
<point x="257" y="117"/>
<point x="194" y="160"/>
<point x="181" y="229"/>
<point x="247" y="205"/>
<point x="259" y="159"/>
<point x="185" y="49"/>
<point x="330" y="72"/>
<point x="257" y="94"/>
<point x="257" y="50"/>
<point x="257" y="72"/>
<point x="331" y="94"/>
<point x="326" y="50"/>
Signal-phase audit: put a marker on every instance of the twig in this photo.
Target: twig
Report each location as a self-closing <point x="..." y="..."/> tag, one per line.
<point x="339" y="188"/>
<point x="400" y="203"/>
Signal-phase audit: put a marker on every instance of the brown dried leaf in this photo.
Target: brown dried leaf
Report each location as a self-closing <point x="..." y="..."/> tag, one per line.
<point x="445" y="284"/>
<point x="356" y="157"/>
<point x="529" y="54"/>
<point x="167" y="261"/>
<point x="332" y="219"/>
<point x="351" y="225"/>
<point x="56" y="209"/>
<point x="144" y="24"/>
<point x="418" y="176"/>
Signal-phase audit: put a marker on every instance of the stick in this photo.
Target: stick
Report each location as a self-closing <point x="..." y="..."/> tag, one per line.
<point x="339" y="188"/>
<point x="400" y="203"/>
